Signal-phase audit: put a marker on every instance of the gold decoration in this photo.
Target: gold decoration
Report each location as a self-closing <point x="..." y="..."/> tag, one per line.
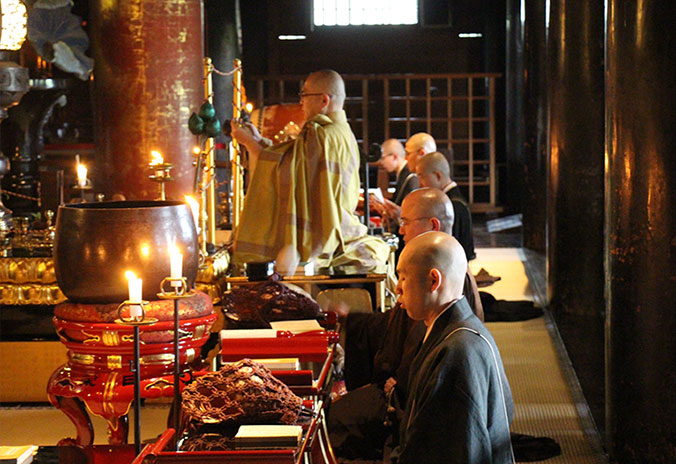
<point x="80" y="358"/>
<point x="114" y="362"/>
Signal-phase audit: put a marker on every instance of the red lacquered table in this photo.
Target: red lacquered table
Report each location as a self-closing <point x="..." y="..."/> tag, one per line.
<point x="314" y="351"/>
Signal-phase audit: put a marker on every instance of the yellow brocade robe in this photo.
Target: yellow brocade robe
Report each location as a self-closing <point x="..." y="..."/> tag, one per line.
<point x="304" y="193"/>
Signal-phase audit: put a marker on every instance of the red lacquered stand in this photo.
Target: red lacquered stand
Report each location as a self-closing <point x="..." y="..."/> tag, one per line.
<point x="97" y="378"/>
<point x="313" y="382"/>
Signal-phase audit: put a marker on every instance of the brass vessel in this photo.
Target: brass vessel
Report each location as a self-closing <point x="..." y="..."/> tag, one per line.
<point x="96" y="243"/>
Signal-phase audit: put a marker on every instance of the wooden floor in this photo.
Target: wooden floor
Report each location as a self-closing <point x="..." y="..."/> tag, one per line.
<point x="547" y="400"/>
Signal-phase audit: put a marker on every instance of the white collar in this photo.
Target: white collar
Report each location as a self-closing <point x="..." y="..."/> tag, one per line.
<point x="429" y="328"/>
<point x="449" y="186"/>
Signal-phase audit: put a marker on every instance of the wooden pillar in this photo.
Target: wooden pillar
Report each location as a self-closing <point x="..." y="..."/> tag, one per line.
<point x="575" y="206"/>
<point x="147" y="81"/>
<point x="534" y="204"/>
<point x="641" y="245"/>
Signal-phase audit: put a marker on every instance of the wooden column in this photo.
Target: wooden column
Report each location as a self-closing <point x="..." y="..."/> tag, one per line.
<point x="147" y="82"/>
<point x="641" y="245"/>
<point x="575" y="187"/>
<point x="534" y="205"/>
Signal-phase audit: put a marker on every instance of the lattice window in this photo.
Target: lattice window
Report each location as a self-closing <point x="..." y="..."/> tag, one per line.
<point x="364" y="12"/>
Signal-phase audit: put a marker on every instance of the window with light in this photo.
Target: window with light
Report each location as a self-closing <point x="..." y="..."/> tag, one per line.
<point x="364" y="12"/>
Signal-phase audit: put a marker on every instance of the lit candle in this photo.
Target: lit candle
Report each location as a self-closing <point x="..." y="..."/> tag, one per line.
<point x="81" y="175"/>
<point x="195" y="207"/>
<point x="176" y="260"/>
<point x="157" y="160"/>
<point x="135" y="294"/>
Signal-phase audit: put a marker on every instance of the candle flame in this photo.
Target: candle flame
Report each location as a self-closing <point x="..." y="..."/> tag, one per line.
<point x="174" y="250"/>
<point x="130" y="275"/>
<point x="157" y="158"/>
<point x="81" y="172"/>
<point x="196" y="150"/>
<point x="145" y="250"/>
<point x="248" y="107"/>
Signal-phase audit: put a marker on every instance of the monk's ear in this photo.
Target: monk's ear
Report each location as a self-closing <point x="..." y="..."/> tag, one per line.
<point x="326" y="99"/>
<point x="436" y="224"/>
<point x="435" y="279"/>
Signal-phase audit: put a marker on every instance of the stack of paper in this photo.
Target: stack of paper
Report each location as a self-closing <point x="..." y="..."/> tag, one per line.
<point x="280" y="364"/>
<point x="296" y="327"/>
<point x="268" y="436"/>
<point x="17" y="454"/>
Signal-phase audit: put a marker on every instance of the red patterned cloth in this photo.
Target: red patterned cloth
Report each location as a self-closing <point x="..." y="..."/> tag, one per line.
<point x="163" y="310"/>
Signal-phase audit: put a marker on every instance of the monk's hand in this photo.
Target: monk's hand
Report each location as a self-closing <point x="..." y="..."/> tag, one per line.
<point x="389" y="385"/>
<point x="245" y="132"/>
<point x="393" y="210"/>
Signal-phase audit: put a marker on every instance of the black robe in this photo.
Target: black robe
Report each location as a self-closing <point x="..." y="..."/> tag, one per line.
<point x="406" y="183"/>
<point x="459" y="403"/>
<point x="462" y="225"/>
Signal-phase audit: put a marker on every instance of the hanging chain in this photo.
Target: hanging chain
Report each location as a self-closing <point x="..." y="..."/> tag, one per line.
<point x="21" y="195"/>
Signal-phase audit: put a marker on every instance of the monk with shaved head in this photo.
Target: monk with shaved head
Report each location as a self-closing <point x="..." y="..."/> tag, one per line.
<point x="434" y="171"/>
<point x="417" y="146"/>
<point x="459" y="405"/>
<point x="303" y="193"/>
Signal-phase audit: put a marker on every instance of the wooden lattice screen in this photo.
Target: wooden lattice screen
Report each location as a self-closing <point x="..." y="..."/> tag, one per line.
<point x="458" y="110"/>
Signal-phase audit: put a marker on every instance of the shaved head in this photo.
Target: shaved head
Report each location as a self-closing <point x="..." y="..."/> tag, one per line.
<point x="434" y="162"/>
<point x="422" y="140"/>
<point x="330" y="82"/>
<point x="433" y="266"/>
<point x="419" y="145"/>
<point x="428" y="203"/>
<point x="393" y="155"/>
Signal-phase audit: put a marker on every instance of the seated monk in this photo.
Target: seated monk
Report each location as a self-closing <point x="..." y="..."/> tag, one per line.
<point x="356" y="421"/>
<point x="304" y="192"/>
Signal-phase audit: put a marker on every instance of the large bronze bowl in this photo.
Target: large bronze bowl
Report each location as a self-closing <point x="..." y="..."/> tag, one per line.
<point x="97" y="242"/>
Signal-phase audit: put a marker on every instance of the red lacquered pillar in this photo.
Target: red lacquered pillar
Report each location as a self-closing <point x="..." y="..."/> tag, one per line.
<point x="147" y="81"/>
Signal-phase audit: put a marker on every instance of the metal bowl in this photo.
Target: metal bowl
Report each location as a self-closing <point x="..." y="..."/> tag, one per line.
<point x="96" y="243"/>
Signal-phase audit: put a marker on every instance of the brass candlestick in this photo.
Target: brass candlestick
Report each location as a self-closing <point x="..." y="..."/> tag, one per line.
<point x="180" y="290"/>
<point x="136" y="321"/>
<point x="161" y="173"/>
<point x="83" y="189"/>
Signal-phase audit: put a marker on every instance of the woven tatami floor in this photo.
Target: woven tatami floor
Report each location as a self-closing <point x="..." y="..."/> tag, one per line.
<point x="545" y="402"/>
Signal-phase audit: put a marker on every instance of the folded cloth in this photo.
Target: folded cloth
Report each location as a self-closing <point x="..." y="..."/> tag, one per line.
<point x="507" y="311"/>
<point x="528" y="448"/>
<point x="484" y="279"/>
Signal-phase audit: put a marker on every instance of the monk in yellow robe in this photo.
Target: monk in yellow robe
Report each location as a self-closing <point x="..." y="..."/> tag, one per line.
<point x="303" y="193"/>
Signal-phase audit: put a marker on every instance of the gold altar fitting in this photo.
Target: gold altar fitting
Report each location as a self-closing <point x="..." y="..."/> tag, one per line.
<point x="179" y="291"/>
<point x="161" y="173"/>
<point x="134" y="320"/>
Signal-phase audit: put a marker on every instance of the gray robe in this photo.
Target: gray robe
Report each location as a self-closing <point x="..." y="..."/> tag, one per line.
<point x="455" y="411"/>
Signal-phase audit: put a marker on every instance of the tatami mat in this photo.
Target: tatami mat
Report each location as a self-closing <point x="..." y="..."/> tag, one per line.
<point x="45" y="426"/>
<point x="506" y="263"/>
<point x="544" y="404"/>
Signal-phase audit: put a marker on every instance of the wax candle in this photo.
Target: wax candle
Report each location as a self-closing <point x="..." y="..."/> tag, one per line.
<point x="81" y="175"/>
<point x="157" y="160"/>
<point x="135" y="294"/>
<point x="176" y="261"/>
